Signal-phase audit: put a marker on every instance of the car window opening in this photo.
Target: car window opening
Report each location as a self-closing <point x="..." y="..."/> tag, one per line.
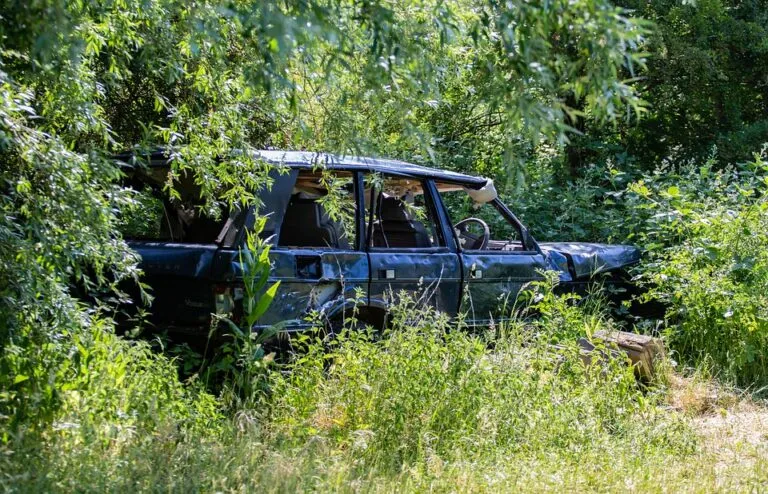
<point x="149" y="214"/>
<point x="479" y="226"/>
<point x="321" y="211"/>
<point x="402" y="216"/>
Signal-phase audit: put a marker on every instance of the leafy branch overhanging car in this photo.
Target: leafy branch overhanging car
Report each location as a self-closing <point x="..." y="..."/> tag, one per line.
<point x="342" y="227"/>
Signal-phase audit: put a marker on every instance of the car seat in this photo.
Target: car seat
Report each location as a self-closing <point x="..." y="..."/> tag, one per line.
<point x="306" y="224"/>
<point x="394" y="227"/>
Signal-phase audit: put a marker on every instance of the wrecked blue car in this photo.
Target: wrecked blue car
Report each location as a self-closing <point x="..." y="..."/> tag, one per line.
<point x="349" y="233"/>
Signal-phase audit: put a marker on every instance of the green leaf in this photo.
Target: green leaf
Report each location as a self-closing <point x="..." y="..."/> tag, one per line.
<point x="263" y="304"/>
<point x="673" y="191"/>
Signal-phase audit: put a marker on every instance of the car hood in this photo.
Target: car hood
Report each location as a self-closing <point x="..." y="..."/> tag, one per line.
<point x="586" y="259"/>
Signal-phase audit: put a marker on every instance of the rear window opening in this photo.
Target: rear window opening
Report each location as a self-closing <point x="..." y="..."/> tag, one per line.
<point x="148" y="213"/>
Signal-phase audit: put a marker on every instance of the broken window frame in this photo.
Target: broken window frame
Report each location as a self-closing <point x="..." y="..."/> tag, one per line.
<point x="140" y="180"/>
<point x="434" y="213"/>
<point x="527" y="243"/>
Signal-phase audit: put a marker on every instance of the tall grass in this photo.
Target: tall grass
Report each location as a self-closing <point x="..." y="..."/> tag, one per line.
<point x="425" y="396"/>
<point x="424" y="406"/>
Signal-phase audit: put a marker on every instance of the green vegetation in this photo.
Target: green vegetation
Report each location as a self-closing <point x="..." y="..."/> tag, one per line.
<point x="597" y="123"/>
<point x="711" y="266"/>
<point x="418" y="406"/>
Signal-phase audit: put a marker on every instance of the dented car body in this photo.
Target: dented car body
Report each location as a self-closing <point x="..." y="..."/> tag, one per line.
<point x="351" y="233"/>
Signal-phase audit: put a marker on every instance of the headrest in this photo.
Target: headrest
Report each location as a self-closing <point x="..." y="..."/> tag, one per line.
<point x="392" y="209"/>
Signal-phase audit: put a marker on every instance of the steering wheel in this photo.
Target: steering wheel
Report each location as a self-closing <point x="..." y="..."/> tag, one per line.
<point x="471" y="241"/>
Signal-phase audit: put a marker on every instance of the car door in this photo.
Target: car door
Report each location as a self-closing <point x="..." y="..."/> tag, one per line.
<point x="493" y="278"/>
<point x="318" y="254"/>
<point x="407" y="245"/>
<point x="494" y="275"/>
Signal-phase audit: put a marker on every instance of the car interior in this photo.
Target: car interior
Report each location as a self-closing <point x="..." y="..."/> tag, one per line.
<point x="482" y="226"/>
<point x="397" y="211"/>
<point x="308" y="222"/>
<point x="400" y="215"/>
<point x="398" y="219"/>
<point x="321" y="213"/>
<point x="393" y="226"/>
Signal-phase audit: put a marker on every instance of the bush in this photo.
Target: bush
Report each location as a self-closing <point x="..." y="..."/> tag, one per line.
<point x="589" y="209"/>
<point x="717" y="284"/>
<point x="703" y="227"/>
<point x="118" y="400"/>
<point x="709" y="263"/>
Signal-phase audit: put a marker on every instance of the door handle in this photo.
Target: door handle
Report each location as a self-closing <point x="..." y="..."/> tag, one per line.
<point x="387" y="274"/>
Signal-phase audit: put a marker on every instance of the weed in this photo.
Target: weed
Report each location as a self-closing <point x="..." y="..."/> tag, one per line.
<point x="712" y="269"/>
<point x="240" y="363"/>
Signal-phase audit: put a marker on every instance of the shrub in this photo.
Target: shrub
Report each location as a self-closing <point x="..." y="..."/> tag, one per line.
<point x="703" y="227"/>
<point x="707" y="234"/>
<point x="121" y="408"/>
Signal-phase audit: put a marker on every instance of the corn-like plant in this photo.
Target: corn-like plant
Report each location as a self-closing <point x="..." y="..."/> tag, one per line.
<point x="244" y="361"/>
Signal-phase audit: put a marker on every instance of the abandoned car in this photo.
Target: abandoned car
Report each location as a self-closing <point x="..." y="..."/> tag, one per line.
<point x="348" y="231"/>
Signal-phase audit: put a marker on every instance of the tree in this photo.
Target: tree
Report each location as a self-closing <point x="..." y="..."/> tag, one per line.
<point x="705" y="83"/>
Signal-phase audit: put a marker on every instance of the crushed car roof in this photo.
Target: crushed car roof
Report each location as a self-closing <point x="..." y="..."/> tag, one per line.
<point x="306" y="159"/>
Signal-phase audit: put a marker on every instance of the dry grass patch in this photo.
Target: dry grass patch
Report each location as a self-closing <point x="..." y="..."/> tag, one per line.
<point x="696" y="396"/>
<point x="732" y="431"/>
